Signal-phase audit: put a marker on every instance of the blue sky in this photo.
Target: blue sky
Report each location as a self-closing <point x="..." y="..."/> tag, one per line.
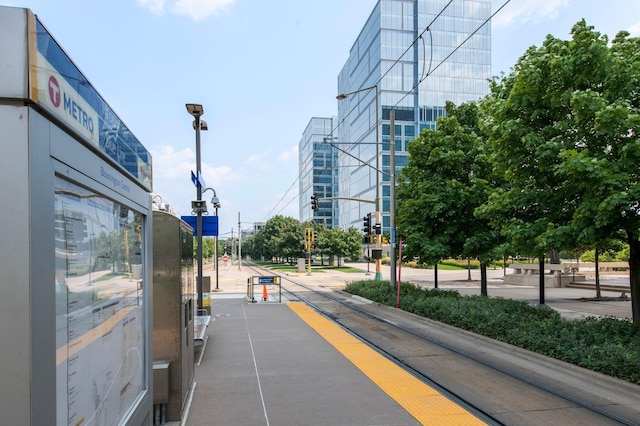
<point x="261" y="69"/>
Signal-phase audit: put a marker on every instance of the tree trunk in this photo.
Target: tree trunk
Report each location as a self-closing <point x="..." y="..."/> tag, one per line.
<point x="541" y="262"/>
<point x="435" y="276"/>
<point x="483" y="279"/>
<point x="468" y="269"/>
<point x="634" y="277"/>
<point x="598" y="292"/>
<point x="554" y="257"/>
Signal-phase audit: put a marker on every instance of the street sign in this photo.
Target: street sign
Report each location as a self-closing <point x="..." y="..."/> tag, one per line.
<point x="201" y="181"/>
<point x="198" y="181"/>
<point x="209" y="225"/>
<point x="267" y="280"/>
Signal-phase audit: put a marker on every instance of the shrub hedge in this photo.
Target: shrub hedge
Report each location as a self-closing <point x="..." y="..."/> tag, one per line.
<point x="606" y="345"/>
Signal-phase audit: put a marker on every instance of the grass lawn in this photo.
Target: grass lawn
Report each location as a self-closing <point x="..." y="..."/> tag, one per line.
<point x="283" y="267"/>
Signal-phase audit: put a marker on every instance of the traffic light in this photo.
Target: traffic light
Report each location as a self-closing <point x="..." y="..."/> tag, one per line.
<point x="314" y="202"/>
<point x="377" y="229"/>
<point x="367" y="224"/>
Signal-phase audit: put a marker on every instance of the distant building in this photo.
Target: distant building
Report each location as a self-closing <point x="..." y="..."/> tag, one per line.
<point x="257" y="227"/>
<point x="318" y="161"/>
<point x="437" y="68"/>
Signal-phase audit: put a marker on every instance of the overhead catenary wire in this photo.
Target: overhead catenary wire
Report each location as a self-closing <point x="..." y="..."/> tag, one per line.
<point x="282" y="198"/>
<point x="427" y="28"/>
<point x="432" y="70"/>
<point x="423" y="77"/>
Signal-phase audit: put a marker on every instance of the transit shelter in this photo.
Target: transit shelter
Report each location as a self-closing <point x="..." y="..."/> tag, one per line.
<point x="75" y="269"/>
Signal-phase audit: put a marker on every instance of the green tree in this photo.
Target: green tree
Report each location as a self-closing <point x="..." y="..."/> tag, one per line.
<point x="282" y="238"/>
<point x="208" y="247"/>
<point x="564" y="127"/>
<point x="448" y="176"/>
<point x="343" y="244"/>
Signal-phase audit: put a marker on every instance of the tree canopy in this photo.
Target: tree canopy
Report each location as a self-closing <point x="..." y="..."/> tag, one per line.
<point x="284" y="238"/>
<point x="564" y="130"/>
<point x="448" y="177"/>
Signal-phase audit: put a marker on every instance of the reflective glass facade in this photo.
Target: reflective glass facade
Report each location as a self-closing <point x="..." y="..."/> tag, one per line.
<point x="318" y="161"/>
<point x="387" y="70"/>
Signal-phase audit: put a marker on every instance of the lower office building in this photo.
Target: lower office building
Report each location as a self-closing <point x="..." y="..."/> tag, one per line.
<point x="318" y="160"/>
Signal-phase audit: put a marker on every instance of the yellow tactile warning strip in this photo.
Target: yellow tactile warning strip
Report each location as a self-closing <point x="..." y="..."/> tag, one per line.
<point x="423" y="402"/>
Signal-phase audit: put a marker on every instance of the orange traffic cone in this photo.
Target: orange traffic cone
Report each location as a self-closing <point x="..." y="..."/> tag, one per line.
<point x="265" y="296"/>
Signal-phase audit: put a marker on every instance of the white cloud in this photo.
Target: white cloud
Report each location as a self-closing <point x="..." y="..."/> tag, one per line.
<point x="172" y="176"/>
<point x="526" y="10"/>
<point x="255" y="158"/>
<point x="197" y="10"/>
<point x="171" y="164"/>
<point x="155" y="6"/>
<point x="634" y="30"/>
<point x="291" y="154"/>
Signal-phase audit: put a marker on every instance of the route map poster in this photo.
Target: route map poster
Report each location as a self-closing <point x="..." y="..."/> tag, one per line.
<point x="100" y="370"/>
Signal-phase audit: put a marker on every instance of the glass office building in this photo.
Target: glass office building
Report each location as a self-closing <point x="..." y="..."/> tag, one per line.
<point x="318" y="161"/>
<point x="396" y="64"/>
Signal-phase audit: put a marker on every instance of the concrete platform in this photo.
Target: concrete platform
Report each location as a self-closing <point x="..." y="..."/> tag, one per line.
<point x="264" y="365"/>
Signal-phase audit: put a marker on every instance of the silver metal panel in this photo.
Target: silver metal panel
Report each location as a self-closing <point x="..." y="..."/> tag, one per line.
<point x="27" y="293"/>
<point x="42" y="267"/>
<point x="15" y="304"/>
<point x="173" y="306"/>
<point x="13" y="53"/>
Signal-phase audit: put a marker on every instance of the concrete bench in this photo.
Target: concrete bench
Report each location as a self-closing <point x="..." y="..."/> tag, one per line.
<point x="605" y="266"/>
<point x="533" y="268"/>
<point x="555" y="275"/>
<point x="200" y="325"/>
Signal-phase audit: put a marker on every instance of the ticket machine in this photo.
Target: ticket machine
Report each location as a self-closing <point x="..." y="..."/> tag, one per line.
<point x="173" y="315"/>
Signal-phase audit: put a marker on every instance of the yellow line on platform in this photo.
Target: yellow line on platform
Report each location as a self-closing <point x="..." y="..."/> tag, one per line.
<point x="423" y="402"/>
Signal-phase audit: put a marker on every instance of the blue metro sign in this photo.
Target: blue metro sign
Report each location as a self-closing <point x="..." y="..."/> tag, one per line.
<point x="209" y="225"/>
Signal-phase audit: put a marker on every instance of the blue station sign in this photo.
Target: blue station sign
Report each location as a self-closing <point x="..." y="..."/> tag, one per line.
<point x="209" y="225"/>
<point x="268" y="280"/>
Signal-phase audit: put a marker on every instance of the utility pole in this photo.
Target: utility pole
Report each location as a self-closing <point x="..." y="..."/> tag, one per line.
<point x="392" y="206"/>
<point x="239" y="243"/>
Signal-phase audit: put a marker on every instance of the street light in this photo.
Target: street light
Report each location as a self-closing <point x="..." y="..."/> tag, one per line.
<point x="215" y="202"/>
<point x="378" y="213"/>
<point x="197" y="111"/>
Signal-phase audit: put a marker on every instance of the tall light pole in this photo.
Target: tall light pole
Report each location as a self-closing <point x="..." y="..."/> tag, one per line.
<point x="197" y="111"/>
<point x="378" y="213"/>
